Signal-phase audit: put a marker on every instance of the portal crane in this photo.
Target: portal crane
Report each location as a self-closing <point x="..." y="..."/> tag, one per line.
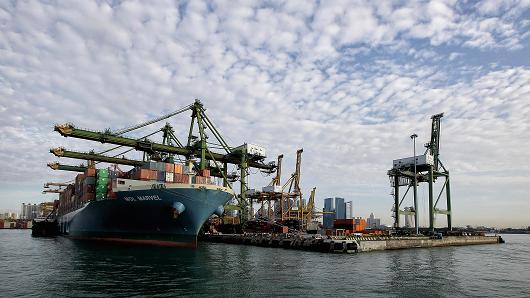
<point x="428" y="169"/>
<point x="196" y="146"/>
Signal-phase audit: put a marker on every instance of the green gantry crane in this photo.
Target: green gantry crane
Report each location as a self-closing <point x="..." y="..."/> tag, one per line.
<point x="426" y="168"/>
<point x="196" y="146"/>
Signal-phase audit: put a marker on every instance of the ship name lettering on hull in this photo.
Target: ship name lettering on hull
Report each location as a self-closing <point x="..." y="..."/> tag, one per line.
<point x="143" y="198"/>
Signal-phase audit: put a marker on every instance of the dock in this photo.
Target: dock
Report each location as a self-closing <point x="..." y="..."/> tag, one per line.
<point x="346" y="244"/>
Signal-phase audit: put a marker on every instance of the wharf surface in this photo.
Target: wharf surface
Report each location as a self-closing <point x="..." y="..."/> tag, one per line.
<point x="346" y="244"/>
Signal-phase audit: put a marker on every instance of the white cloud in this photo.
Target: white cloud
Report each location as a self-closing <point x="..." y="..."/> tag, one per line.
<point x="328" y="77"/>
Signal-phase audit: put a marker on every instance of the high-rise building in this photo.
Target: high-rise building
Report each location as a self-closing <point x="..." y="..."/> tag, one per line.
<point x="340" y="208"/>
<point x="327" y="219"/>
<point x="29" y="211"/>
<point x="349" y="209"/>
<point x="372" y="222"/>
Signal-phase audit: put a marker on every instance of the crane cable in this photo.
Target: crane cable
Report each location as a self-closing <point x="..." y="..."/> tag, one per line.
<point x="131" y="128"/>
<point x="117" y="147"/>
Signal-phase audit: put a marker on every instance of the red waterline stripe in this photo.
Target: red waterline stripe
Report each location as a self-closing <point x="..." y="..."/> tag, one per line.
<point x="162" y="243"/>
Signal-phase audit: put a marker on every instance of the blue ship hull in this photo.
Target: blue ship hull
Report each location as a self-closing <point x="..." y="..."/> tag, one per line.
<point x="165" y="216"/>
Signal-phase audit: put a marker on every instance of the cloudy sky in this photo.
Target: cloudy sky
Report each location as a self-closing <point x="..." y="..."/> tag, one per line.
<point x="348" y="81"/>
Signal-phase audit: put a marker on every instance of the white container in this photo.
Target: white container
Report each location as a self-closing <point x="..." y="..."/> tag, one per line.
<point x="421" y="160"/>
<point x="253" y="150"/>
<point x="169" y="177"/>
<point x="272" y="188"/>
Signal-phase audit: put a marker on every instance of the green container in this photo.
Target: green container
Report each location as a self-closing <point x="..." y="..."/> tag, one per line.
<point x="103" y="173"/>
<point x="101" y="188"/>
<point x="102" y="180"/>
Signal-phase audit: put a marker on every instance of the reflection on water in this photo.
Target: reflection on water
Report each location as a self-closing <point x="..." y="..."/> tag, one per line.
<point x="63" y="267"/>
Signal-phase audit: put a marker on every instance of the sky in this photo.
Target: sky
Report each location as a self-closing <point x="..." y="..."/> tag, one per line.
<point x="347" y="81"/>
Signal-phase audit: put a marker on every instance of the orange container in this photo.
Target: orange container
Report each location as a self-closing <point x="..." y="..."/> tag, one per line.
<point x="205" y="173"/>
<point x="153" y="175"/>
<point x="200" y="180"/>
<point x="170" y="168"/>
<point x="90" y="172"/>
<point x="142" y="174"/>
<point x="178" y="169"/>
<point x="79" y="178"/>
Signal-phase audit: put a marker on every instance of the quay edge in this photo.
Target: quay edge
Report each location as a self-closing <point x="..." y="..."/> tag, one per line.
<point x="347" y="244"/>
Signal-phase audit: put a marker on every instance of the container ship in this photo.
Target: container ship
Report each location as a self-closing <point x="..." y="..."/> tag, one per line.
<point x="158" y="203"/>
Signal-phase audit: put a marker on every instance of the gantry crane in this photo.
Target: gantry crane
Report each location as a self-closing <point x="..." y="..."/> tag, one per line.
<point x="426" y="168"/>
<point x="196" y="146"/>
<point x="289" y="196"/>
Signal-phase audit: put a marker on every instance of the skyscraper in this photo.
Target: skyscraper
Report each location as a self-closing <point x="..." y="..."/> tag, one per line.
<point x="327" y="219"/>
<point x="349" y="209"/>
<point x="29" y="211"/>
<point x="340" y="208"/>
<point x="372" y="222"/>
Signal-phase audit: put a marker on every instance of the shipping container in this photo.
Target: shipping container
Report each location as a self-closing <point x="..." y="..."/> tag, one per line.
<point x="161" y="176"/>
<point x="141" y="174"/>
<point x="111" y="195"/>
<point x="421" y="160"/>
<point x="272" y="188"/>
<point x="169" y="177"/>
<point x="90" y="197"/>
<point x="170" y="168"/>
<point x="79" y="178"/>
<point x="89" y="180"/>
<point x="180" y="178"/>
<point x="100" y="196"/>
<point x="252" y="149"/>
<point x="204" y="173"/>
<point x="102" y="173"/>
<point x="200" y="180"/>
<point x="178" y="168"/>
<point x="149" y="165"/>
<point x="89" y="188"/>
<point x="90" y="172"/>
<point x="153" y="175"/>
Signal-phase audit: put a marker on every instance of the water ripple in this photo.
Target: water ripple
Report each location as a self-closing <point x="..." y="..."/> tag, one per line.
<point x="67" y="268"/>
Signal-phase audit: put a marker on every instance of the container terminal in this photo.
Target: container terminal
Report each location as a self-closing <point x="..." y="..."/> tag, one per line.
<point x="182" y="192"/>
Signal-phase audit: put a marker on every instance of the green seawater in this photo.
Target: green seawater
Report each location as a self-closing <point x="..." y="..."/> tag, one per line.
<point x="62" y="267"/>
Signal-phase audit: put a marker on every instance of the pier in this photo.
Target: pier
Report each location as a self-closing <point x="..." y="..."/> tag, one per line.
<point x="346" y="244"/>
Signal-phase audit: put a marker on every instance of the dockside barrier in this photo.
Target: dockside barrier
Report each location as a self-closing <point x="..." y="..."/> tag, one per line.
<point x="346" y="244"/>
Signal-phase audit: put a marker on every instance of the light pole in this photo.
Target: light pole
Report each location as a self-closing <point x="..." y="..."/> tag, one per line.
<point x="413" y="137"/>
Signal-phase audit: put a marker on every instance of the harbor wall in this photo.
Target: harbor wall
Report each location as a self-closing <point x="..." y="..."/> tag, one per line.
<point x="370" y="245"/>
<point x="347" y="244"/>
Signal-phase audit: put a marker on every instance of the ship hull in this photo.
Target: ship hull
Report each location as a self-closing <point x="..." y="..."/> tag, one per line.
<point x="160" y="216"/>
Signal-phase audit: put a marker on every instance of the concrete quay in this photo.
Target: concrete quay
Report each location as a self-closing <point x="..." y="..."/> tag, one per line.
<point x="346" y="244"/>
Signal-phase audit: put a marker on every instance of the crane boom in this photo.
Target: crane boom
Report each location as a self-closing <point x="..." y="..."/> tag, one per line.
<point x="58" y="166"/>
<point x="68" y="130"/>
<point x="61" y="152"/>
<point x="48" y="184"/>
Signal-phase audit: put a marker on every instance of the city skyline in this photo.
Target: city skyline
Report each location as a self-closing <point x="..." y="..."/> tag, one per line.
<point x="348" y="83"/>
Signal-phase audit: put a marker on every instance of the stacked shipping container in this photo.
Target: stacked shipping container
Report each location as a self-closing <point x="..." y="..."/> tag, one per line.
<point x="169" y="173"/>
<point x="97" y="185"/>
